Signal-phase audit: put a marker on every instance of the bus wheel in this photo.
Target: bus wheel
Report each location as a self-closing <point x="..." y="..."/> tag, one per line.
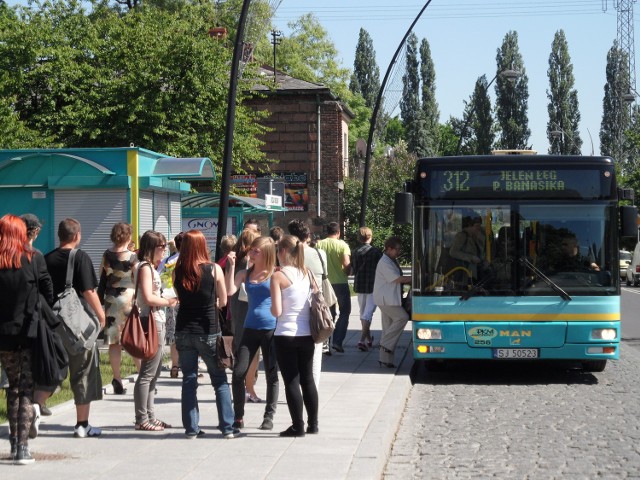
<point x="416" y="370"/>
<point x="594" y="365"/>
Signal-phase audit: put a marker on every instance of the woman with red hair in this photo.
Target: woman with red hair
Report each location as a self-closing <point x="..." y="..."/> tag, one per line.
<point x="199" y="284"/>
<point x="22" y="274"/>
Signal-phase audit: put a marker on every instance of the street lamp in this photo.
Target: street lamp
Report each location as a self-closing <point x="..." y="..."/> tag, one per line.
<point x="511" y="76"/>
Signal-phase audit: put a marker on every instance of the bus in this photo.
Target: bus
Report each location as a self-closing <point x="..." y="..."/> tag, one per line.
<point x="516" y="257"/>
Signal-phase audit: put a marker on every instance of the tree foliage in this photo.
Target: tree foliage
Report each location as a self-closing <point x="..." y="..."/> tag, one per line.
<point x="93" y="79"/>
<point x="512" y="96"/>
<point x="387" y="175"/>
<point x="410" y="107"/>
<point x="366" y="74"/>
<point x="563" y="109"/>
<point x="430" y="110"/>
<point x="615" y="111"/>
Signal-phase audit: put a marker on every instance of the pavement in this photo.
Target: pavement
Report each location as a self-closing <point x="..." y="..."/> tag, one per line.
<point x="361" y="405"/>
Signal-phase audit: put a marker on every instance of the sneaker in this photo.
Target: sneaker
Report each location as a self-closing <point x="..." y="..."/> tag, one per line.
<point x="338" y="348"/>
<point x="23" y="456"/>
<point x="44" y="411"/>
<point x="86" y="432"/>
<point x="191" y="436"/>
<point x="35" y="425"/>
<point x="229" y="436"/>
<point x="362" y="347"/>
<point x="267" y="424"/>
<point x="252" y="399"/>
<point x="325" y="349"/>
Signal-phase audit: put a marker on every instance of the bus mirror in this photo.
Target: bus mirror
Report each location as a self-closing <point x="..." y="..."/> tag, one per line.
<point x="629" y="221"/>
<point x="403" y="208"/>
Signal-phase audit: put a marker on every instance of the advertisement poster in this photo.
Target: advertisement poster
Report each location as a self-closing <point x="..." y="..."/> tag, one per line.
<point x="209" y="227"/>
<point x="296" y="192"/>
<point x="244" y="185"/>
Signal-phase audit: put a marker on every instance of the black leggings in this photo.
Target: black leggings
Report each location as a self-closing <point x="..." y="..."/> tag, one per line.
<point x="295" y="359"/>
<point x="251" y="341"/>
<point x="20" y="392"/>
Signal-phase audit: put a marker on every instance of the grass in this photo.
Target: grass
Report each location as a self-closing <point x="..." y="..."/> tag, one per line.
<point x="65" y="393"/>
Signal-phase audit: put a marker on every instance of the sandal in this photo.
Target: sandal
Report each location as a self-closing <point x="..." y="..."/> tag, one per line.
<point x="174" y="371"/>
<point x="149" y="427"/>
<point x="160" y="423"/>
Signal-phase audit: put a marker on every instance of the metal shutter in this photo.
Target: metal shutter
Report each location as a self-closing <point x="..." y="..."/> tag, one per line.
<point x="175" y="215"/>
<point x="97" y="211"/>
<point x="161" y="213"/>
<point x="145" y="214"/>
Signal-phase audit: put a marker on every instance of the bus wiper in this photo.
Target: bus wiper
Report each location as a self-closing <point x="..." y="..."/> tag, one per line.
<point x="554" y="286"/>
<point x="476" y="288"/>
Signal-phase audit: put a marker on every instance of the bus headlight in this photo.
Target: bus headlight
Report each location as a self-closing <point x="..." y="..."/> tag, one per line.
<point x="429" y="334"/>
<point x="604" y="334"/>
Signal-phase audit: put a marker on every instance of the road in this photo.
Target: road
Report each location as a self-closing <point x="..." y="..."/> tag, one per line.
<point x="525" y="420"/>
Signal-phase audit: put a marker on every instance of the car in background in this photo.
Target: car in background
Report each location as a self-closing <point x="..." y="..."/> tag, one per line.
<point x="633" y="269"/>
<point x="625" y="261"/>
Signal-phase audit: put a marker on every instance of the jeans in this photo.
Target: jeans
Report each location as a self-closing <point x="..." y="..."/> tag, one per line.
<point x="253" y="339"/>
<point x="189" y="347"/>
<point x="295" y="358"/>
<point x="344" y="305"/>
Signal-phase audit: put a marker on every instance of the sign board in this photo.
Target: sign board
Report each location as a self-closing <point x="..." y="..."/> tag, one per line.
<point x="209" y="227"/>
<point x="272" y="201"/>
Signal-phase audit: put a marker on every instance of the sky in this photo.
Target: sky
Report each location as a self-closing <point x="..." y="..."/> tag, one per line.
<point x="464" y="36"/>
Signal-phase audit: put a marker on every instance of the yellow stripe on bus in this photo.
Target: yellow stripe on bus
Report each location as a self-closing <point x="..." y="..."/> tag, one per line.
<point x="550" y="317"/>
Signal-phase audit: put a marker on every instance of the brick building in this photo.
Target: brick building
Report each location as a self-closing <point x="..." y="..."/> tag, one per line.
<point x="310" y="142"/>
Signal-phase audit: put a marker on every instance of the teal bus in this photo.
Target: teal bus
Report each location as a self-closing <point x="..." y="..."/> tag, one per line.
<point x="516" y="257"/>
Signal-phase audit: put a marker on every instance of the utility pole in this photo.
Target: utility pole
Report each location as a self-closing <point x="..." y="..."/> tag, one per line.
<point x="275" y="41"/>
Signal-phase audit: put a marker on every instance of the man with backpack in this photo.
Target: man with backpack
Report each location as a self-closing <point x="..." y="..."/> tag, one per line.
<point x="84" y="368"/>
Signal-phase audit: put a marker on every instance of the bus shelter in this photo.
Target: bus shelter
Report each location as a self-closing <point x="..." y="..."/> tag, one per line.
<point x="200" y="211"/>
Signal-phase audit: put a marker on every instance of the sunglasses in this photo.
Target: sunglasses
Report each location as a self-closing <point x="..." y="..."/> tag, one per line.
<point x="162" y="245"/>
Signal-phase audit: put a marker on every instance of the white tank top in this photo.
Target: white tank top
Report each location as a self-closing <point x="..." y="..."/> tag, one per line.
<point x="294" y="320"/>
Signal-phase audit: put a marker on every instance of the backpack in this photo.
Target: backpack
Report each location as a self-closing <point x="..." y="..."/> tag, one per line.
<point x="79" y="328"/>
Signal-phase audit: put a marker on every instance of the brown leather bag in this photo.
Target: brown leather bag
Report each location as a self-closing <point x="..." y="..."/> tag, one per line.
<point x="138" y="341"/>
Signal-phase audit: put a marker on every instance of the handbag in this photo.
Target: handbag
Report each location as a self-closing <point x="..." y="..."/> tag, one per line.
<point x="50" y="362"/>
<point x="320" y="320"/>
<point x="224" y="343"/>
<point x="79" y="328"/>
<point x="136" y="340"/>
<point x="327" y="289"/>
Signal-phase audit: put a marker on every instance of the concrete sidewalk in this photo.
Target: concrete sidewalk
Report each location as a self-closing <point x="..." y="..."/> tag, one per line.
<point x="360" y="409"/>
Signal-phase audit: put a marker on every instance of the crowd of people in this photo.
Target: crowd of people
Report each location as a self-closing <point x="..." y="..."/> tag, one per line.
<point x="258" y="292"/>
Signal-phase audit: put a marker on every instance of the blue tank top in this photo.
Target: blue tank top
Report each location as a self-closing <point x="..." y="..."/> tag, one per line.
<point x="259" y="310"/>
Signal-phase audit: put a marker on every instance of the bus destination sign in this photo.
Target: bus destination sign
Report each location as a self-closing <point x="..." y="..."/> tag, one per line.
<point x="543" y="182"/>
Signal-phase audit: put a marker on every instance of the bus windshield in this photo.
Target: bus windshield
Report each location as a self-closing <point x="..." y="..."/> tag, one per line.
<point x="507" y="248"/>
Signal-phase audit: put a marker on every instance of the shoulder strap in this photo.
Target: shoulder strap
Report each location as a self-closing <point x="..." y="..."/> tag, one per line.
<point x="215" y="296"/>
<point x="143" y="263"/>
<point x="70" y="264"/>
<point x="324" y="269"/>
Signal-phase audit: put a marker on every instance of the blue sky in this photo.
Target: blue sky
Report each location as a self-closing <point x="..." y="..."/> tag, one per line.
<point x="464" y="36"/>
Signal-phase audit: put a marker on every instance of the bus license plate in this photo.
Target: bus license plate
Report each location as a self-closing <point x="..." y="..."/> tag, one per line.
<point x="511" y="353"/>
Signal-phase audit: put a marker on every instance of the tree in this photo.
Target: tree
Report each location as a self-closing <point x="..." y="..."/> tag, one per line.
<point x="387" y="176"/>
<point x="309" y="54"/>
<point x="482" y="123"/>
<point x="80" y="80"/>
<point x="410" y="108"/>
<point x="512" y="96"/>
<point x="564" y="113"/>
<point x="429" y="105"/>
<point x="365" y="70"/>
<point x="615" y="112"/>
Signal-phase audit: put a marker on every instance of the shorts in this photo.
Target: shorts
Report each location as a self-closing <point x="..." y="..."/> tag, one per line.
<point x="367" y="306"/>
<point x="85" y="377"/>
